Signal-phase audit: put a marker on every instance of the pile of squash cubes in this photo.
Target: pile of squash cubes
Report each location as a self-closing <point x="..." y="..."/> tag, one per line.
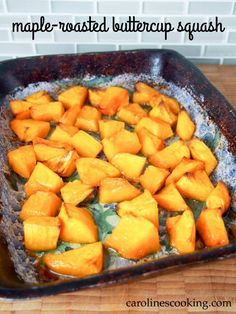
<point x="139" y="172"/>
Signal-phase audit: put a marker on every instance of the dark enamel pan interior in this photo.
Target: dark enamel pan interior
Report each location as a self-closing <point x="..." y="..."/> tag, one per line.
<point x="165" y="63"/>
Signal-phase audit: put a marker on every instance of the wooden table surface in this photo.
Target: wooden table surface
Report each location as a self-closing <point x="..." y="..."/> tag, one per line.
<point x="206" y="282"/>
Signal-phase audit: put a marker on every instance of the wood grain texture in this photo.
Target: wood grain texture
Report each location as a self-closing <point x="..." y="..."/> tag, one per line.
<point x="205" y="282"/>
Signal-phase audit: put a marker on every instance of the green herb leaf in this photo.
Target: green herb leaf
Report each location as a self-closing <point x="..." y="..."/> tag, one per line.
<point x="196" y="207"/>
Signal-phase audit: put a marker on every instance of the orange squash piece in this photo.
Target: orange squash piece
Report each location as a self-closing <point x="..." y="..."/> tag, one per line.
<point x="108" y="128"/>
<point x="139" y="235"/>
<point x="23" y="115"/>
<point x="186" y="165"/>
<point x="63" y="133"/>
<point x="153" y="178"/>
<point x="84" y="261"/>
<point x="182" y="232"/>
<point x="155" y="126"/>
<point x="47" y="149"/>
<point x="144" y="93"/>
<point x="27" y="130"/>
<point x="219" y="198"/>
<point x="113" y="99"/>
<point x="170" y="199"/>
<point x="131" y="114"/>
<point x="41" y="233"/>
<point x="52" y="111"/>
<point x="171" y="103"/>
<point x="85" y="144"/>
<point x="143" y="205"/>
<point x="57" y="156"/>
<point x="113" y="190"/>
<point x="39" y="98"/>
<point x="92" y="170"/>
<point x="185" y="127"/>
<point x="145" y="88"/>
<point x="73" y="96"/>
<point x="70" y="116"/>
<point x="163" y="112"/>
<point x="43" y="179"/>
<point x="211" y="228"/>
<point x="195" y="185"/>
<point x="40" y="204"/>
<point x="149" y="142"/>
<point x="170" y="156"/>
<point x="142" y="98"/>
<point x="122" y="142"/>
<point x="130" y="165"/>
<point x="88" y="119"/>
<point x="22" y="160"/>
<point x="75" y="192"/>
<point x="77" y="225"/>
<point x="200" y="151"/>
<point x="95" y="96"/>
<point x="19" y="106"/>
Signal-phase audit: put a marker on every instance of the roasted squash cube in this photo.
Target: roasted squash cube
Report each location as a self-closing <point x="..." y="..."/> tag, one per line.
<point x="95" y="96"/>
<point x="39" y="98"/>
<point x="113" y="99"/>
<point x="43" y="179"/>
<point x="143" y="205"/>
<point x="171" y="103"/>
<point x="211" y="228"/>
<point x="92" y="170"/>
<point x="150" y="143"/>
<point x="70" y="116"/>
<point x="114" y="190"/>
<point x="19" y="106"/>
<point x="139" y="235"/>
<point x="88" y="119"/>
<point x="142" y="98"/>
<point x="145" y="88"/>
<point x="108" y="128"/>
<point x="153" y="178"/>
<point x="219" y="198"/>
<point x="170" y="156"/>
<point x="57" y="156"/>
<point x="22" y="160"/>
<point x="75" y="192"/>
<point x="130" y="165"/>
<point x="52" y="111"/>
<point x="195" y="185"/>
<point x="84" y="261"/>
<point x="77" y="225"/>
<point x="131" y="114"/>
<point x="185" y="127"/>
<point x="41" y="233"/>
<point x="63" y="133"/>
<point x="186" y="165"/>
<point x="170" y="199"/>
<point x="47" y="149"/>
<point x="40" y="204"/>
<point x="157" y="127"/>
<point x="27" y="130"/>
<point x="200" y="151"/>
<point x="162" y="112"/>
<point x="23" y="115"/>
<point x="85" y="144"/>
<point x="182" y="232"/>
<point x="144" y="93"/>
<point x="122" y="142"/>
<point x="73" y="96"/>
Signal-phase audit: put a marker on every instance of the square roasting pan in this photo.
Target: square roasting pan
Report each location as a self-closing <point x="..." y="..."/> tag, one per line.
<point x="168" y="65"/>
